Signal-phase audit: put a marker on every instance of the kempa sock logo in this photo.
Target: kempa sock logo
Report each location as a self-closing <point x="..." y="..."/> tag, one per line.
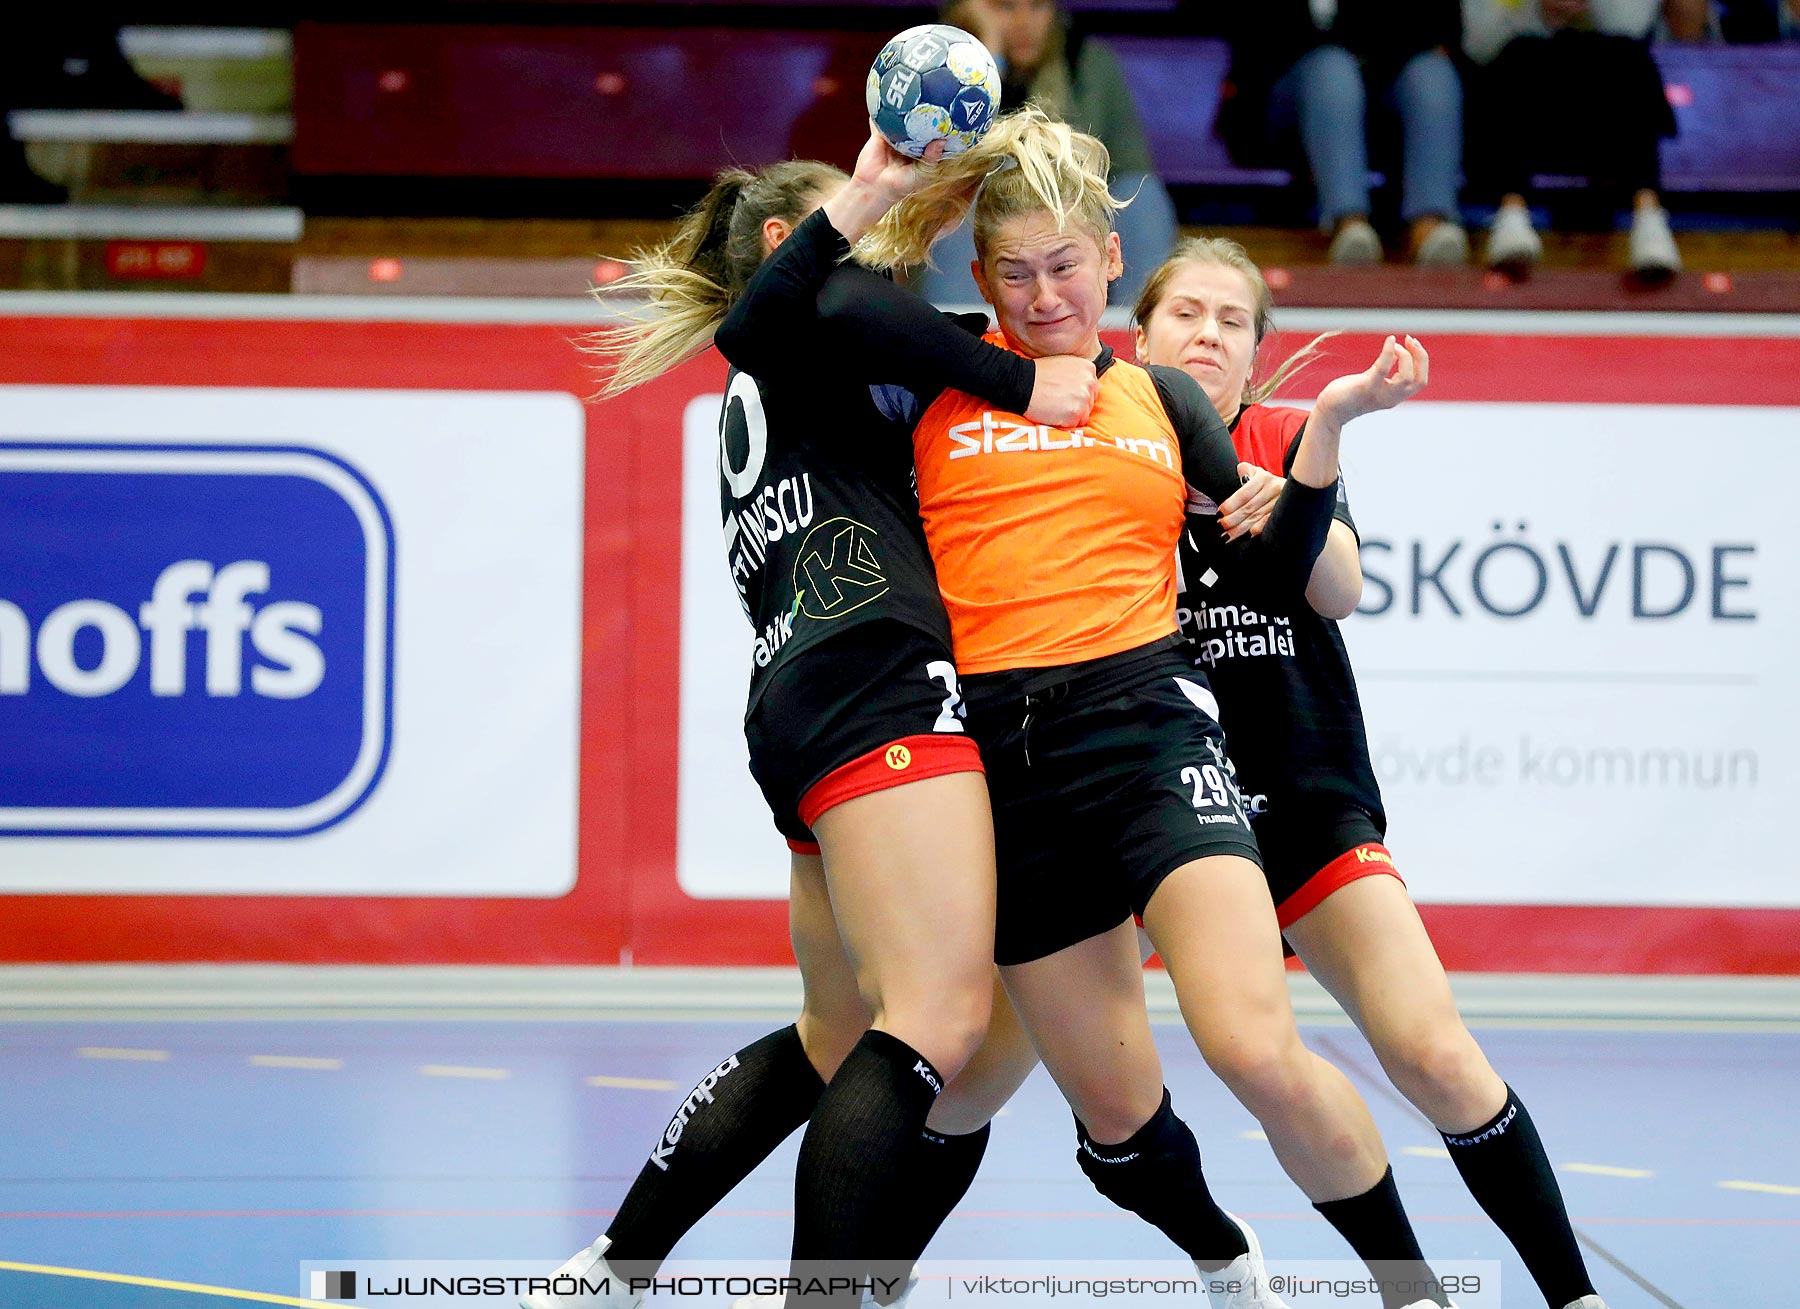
<point x="334" y="1286"/>
<point x="701" y="1094"/>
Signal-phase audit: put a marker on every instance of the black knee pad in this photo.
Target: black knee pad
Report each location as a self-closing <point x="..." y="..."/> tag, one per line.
<point x="1158" y="1159"/>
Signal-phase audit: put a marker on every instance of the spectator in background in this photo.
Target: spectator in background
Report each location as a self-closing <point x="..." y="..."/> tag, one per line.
<point x="67" y="58"/>
<point x="1311" y="69"/>
<point x="1079" y="80"/>
<point x="1569" y="87"/>
<point x="1743" y="22"/>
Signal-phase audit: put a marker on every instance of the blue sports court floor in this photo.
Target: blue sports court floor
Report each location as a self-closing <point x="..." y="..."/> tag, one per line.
<point x="208" y="1159"/>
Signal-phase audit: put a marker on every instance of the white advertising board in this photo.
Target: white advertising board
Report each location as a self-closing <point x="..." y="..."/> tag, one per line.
<point x="289" y="641"/>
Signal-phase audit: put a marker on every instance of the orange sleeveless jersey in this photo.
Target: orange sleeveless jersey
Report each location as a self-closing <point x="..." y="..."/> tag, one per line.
<point x="1052" y="547"/>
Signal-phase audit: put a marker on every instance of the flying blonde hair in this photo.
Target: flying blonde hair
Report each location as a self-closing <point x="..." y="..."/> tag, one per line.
<point x="681" y="290"/>
<point x="1027" y="163"/>
<point x="1227" y="253"/>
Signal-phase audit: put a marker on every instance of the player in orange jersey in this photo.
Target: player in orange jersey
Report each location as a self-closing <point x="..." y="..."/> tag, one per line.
<point x="1112" y="792"/>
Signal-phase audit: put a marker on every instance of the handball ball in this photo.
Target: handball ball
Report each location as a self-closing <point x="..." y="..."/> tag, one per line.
<point x="933" y="83"/>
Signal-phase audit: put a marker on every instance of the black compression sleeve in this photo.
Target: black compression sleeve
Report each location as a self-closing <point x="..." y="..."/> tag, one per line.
<point x="1292" y="540"/>
<point x="888" y="334"/>
<point x="1208" y="459"/>
<point x="762" y="332"/>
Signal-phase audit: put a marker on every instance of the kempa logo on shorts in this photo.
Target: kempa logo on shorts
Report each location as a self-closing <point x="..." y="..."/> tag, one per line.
<point x="989" y="435"/>
<point x="899" y="758"/>
<point x="701" y="1094"/>
<point x="1369" y="854"/>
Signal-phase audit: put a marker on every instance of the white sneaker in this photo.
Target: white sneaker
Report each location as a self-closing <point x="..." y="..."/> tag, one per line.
<point x="589" y="1266"/>
<point x="1444" y="246"/>
<point x="1586" y="1302"/>
<point x="1248" y="1272"/>
<point x="1512" y="242"/>
<point x="1653" y="252"/>
<point x="1356" y="245"/>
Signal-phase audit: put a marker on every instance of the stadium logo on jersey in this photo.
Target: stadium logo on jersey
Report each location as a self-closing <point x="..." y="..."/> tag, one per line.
<point x="838" y="569"/>
<point x="194" y="640"/>
<point x="989" y="435"/>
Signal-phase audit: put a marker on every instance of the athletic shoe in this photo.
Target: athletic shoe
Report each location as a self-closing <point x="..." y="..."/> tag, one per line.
<point x="1586" y="1302"/>
<point x="1512" y="243"/>
<point x="1248" y="1272"/>
<point x="1653" y="252"/>
<point x="589" y="1266"/>
<point x="1444" y="246"/>
<point x="1355" y="245"/>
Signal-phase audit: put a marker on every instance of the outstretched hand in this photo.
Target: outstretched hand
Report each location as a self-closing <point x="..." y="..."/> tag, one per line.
<point x="1399" y="372"/>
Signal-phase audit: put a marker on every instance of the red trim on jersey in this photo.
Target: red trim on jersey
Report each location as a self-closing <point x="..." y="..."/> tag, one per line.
<point x="932" y="754"/>
<point x="1363" y="861"/>
<point x="1264" y="433"/>
<point x="803" y="847"/>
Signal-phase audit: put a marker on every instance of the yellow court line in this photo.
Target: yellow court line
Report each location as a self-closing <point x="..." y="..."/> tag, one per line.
<point x="157" y="1283"/>
<point x="115" y="1052"/>
<point x="1769" y="1188"/>
<point x="632" y="1083"/>
<point x="1426" y="1151"/>
<point x="295" y="1061"/>
<point x="452" y="1070"/>
<point x="1607" y="1170"/>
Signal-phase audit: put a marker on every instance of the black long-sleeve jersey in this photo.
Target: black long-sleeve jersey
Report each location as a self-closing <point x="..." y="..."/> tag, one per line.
<point x="1286" y="692"/>
<point x="817" y="493"/>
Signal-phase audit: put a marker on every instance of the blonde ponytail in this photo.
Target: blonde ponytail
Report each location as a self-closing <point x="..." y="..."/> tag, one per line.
<point x="678" y="293"/>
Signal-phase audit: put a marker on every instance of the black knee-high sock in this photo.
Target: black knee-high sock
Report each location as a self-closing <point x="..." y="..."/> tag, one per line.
<point x="1155" y="1173"/>
<point x="1376" y="1226"/>
<point x="862" y="1130"/>
<point x="936" y="1176"/>
<point x="728" y="1124"/>
<point x="1505" y="1168"/>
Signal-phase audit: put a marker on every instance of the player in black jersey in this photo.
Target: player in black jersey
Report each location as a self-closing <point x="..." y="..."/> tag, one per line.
<point x="854" y="715"/>
<point x="1296" y="730"/>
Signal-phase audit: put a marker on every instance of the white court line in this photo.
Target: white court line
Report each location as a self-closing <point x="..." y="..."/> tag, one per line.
<point x="1607" y="1170"/>
<point x="456" y="1070"/>
<point x="632" y="1083"/>
<point x="295" y="1061"/>
<point x="117" y="1052"/>
<point x="1766" y="1188"/>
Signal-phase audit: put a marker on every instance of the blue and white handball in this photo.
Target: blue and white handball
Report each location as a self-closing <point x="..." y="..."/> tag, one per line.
<point x="933" y="83"/>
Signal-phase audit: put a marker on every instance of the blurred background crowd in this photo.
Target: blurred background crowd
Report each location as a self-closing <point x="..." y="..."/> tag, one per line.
<point x="1490" y="134"/>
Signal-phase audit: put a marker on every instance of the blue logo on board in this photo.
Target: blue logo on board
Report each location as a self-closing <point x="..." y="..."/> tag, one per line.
<point x="194" y="640"/>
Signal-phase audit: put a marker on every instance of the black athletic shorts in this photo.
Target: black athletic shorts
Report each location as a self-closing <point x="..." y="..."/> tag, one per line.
<point x="1310" y="848"/>
<point x="876" y="707"/>
<point x="1103" y="783"/>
